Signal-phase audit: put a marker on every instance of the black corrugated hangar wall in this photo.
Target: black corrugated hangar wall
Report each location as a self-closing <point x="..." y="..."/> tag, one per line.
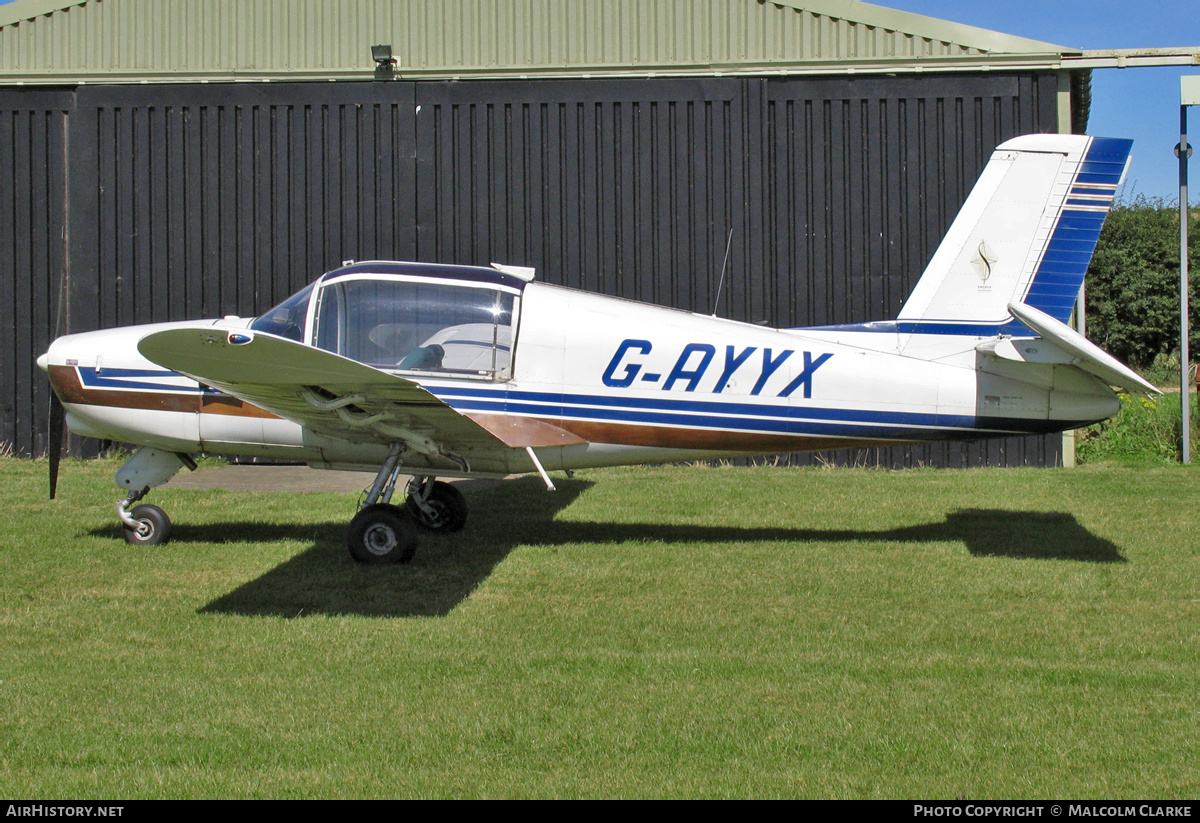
<point x="147" y="203"/>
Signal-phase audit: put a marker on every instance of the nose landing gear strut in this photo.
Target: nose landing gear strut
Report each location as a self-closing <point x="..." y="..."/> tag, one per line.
<point x="147" y="525"/>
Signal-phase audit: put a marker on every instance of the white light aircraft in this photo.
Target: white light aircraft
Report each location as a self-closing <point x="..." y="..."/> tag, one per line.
<point x="451" y="371"/>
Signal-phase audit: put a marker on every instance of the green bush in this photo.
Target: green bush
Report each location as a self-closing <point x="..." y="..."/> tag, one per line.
<point x="1164" y="371"/>
<point x="1144" y="431"/>
<point x="1133" y="283"/>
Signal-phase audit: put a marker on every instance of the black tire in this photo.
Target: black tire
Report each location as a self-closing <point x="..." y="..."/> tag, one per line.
<point x="381" y="534"/>
<point x="154" y="527"/>
<point x="449" y="509"/>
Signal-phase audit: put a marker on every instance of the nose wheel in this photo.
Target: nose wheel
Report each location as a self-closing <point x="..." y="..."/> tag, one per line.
<point x="147" y="526"/>
<point x="148" y="468"/>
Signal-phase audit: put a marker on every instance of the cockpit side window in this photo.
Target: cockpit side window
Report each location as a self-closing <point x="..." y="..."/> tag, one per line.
<point x="418" y="326"/>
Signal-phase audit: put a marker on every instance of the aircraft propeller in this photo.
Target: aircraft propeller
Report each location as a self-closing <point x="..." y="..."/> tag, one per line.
<point x="54" y="451"/>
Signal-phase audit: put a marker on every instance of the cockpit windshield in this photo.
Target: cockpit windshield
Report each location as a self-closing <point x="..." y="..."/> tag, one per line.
<point x="289" y="318"/>
<point x="421" y="325"/>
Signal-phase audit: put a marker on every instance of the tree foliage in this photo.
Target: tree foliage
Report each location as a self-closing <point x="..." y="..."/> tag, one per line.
<point x="1133" y="283"/>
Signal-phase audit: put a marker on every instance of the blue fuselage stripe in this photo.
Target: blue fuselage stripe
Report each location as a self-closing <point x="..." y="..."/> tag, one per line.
<point x="771" y="419"/>
<point x="93" y="378"/>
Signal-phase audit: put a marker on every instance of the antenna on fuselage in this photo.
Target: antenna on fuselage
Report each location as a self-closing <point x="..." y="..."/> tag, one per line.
<point x="721" y="282"/>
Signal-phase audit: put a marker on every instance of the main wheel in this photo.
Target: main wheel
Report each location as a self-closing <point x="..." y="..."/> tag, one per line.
<point x="381" y="534"/>
<point x="447" y="509"/>
<point x="153" y="526"/>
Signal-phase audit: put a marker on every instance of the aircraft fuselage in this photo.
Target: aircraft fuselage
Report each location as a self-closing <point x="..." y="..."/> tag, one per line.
<point x="614" y="382"/>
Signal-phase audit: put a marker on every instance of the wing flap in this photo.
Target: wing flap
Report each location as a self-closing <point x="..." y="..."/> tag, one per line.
<point x="521" y="432"/>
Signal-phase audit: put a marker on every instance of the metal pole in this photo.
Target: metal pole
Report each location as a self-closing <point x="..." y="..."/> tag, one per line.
<point x="1184" y="363"/>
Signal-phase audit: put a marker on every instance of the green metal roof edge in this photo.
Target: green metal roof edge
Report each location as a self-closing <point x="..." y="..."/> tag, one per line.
<point x="21" y="10"/>
<point x="920" y="25"/>
<point x="993" y="50"/>
<point x="857" y="11"/>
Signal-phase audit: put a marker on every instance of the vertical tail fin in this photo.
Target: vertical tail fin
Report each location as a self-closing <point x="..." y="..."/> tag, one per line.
<point x="1025" y="234"/>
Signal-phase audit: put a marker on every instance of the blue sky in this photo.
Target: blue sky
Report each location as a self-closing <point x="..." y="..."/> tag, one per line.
<point x="1139" y="103"/>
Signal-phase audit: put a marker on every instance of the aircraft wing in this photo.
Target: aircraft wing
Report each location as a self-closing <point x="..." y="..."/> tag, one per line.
<point x="324" y="392"/>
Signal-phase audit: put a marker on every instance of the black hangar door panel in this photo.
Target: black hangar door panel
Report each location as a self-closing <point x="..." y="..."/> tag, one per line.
<point x="207" y="200"/>
<point x="624" y="187"/>
<point x="33" y="135"/>
<point x="863" y="177"/>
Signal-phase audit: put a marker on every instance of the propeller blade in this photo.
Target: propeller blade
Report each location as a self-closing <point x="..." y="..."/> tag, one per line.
<point x="54" y="452"/>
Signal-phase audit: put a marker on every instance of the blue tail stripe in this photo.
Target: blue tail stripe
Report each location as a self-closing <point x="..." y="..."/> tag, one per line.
<point x="1054" y="293"/>
<point x="1062" y="289"/>
<point x="1082" y="221"/>
<point x="1107" y="179"/>
<point x="1073" y="244"/>
<point x="1065" y="276"/>
<point x="1060" y="273"/>
<point x="1109" y="150"/>
<point x="1064" y="297"/>
<point x="1067" y="258"/>
<point x="1092" y="167"/>
<point x="1058" y="306"/>
<point x="1060" y="283"/>
<point x="1057" y="275"/>
<point x="1078" y="235"/>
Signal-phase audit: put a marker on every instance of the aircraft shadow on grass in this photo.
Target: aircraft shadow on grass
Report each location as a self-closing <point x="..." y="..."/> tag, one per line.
<point x="323" y="580"/>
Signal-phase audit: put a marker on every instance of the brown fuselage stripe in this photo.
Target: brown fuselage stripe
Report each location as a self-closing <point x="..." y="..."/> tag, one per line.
<point x="231" y="406"/>
<point x="65" y="380"/>
<point x="630" y="434"/>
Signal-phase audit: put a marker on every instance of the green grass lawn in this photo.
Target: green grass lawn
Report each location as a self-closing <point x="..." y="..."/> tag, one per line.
<point x="665" y="632"/>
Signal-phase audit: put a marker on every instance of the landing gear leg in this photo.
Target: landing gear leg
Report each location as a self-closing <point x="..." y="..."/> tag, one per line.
<point x="436" y="506"/>
<point x="381" y="533"/>
<point x="148" y="468"/>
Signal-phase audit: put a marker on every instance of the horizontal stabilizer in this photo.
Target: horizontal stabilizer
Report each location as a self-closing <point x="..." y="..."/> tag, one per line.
<point x="1062" y="344"/>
